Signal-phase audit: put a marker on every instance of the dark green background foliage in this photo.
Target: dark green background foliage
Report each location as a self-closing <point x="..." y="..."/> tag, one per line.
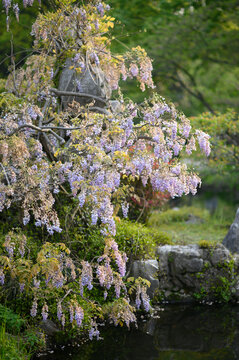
<point x="194" y="46"/>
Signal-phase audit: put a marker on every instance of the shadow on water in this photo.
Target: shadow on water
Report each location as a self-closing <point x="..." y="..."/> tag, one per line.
<point x="177" y="333"/>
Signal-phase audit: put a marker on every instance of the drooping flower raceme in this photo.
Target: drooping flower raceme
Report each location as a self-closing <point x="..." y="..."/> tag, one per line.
<point x="44" y="312"/>
<point x="2" y="277"/>
<point x="34" y="308"/>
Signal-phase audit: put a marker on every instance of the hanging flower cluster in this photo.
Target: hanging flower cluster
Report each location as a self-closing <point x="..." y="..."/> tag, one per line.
<point x="55" y="271"/>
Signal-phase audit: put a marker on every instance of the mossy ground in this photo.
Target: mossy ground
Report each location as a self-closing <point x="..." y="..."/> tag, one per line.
<point x="211" y="228"/>
<point x="193" y="233"/>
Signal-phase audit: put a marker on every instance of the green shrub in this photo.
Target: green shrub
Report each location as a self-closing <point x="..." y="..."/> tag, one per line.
<point x="13" y="322"/>
<point x="223" y="289"/>
<point x="183" y="214"/>
<point x="139" y="240"/>
<point x="34" y="340"/>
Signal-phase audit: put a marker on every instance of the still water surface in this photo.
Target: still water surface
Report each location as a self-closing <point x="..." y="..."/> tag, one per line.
<point x="177" y="333"/>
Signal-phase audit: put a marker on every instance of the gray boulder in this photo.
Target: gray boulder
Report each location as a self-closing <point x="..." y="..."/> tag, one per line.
<point x="220" y="255"/>
<point x="147" y="269"/>
<point x="192" y="219"/>
<point x="177" y="264"/>
<point x="231" y="241"/>
<point x="178" y="259"/>
<point x="49" y="327"/>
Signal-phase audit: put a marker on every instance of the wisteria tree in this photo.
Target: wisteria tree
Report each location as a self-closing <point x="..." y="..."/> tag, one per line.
<point x="67" y="130"/>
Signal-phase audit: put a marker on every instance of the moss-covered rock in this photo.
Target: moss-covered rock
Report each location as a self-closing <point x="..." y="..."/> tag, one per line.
<point x="192" y="272"/>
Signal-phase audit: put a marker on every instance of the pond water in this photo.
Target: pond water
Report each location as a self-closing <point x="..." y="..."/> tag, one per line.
<point x="175" y="333"/>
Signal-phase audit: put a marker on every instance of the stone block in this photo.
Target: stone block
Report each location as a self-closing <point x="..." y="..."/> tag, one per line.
<point x="147" y="269"/>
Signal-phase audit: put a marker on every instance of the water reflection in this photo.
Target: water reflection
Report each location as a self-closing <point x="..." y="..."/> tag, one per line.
<point x="180" y="333"/>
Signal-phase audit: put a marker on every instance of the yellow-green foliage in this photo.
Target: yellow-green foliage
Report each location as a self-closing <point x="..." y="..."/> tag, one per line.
<point x="170" y="216"/>
<point x="138" y="239"/>
<point x="8" y="101"/>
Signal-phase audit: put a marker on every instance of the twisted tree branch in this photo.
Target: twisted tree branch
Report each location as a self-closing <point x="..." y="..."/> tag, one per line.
<point x="78" y="94"/>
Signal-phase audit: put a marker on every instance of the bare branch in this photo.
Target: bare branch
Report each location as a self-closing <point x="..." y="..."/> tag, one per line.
<point x="62" y="141"/>
<point x="198" y="95"/>
<point x="144" y="137"/>
<point x="66" y="128"/>
<point x="48" y="121"/>
<point x="78" y="94"/>
<point x="67" y="293"/>
<point x="47" y="146"/>
<point x="96" y="108"/>
<point x="5" y="173"/>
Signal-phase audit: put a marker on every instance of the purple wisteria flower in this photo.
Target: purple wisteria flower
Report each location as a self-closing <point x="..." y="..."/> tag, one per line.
<point x="81" y="198"/>
<point x="26" y="219"/>
<point x="34" y="308"/>
<point x="16" y="11"/>
<point x="21" y="248"/>
<point x="174" y="130"/>
<point x="28" y="3"/>
<point x="7" y="4"/>
<point x="10" y="250"/>
<point x="79" y="315"/>
<point x="117" y="290"/>
<point x="63" y="320"/>
<point x="58" y="280"/>
<point x="186" y="130"/>
<point x="176" y="148"/>
<point x="137" y="301"/>
<point x="32" y="113"/>
<point x="121" y="263"/>
<point x="96" y="23"/>
<point x="79" y="87"/>
<point x="71" y="311"/>
<point x="125" y="209"/>
<point x="203" y="140"/>
<point x="145" y="299"/>
<point x="83" y="13"/>
<point x="100" y="9"/>
<point x="59" y="311"/>
<point x="22" y="286"/>
<point x="134" y="70"/>
<point x="86" y="276"/>
<point x="44" y="312"/>
<point x="2" y="277"/>
<point x="94" y="58"/>
<point x="94" y="332"/>
<point x="176" y="170"/>
<point x="94" y="217"/>
<point x="36" y="283"/>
